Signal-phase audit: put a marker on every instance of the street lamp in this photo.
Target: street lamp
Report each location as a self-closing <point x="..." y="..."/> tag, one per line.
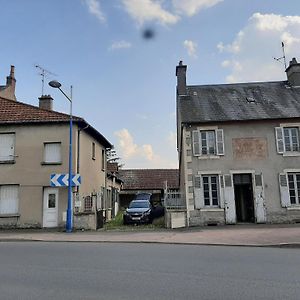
<point x="55" y="84"/>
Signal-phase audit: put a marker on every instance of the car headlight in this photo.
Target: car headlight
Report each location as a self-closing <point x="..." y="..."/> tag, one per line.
<point x="147" y="213"/>
<point x="125" y="213"/>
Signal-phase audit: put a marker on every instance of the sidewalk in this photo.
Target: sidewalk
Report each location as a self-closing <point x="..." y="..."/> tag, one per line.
<point x="287" y="235"/>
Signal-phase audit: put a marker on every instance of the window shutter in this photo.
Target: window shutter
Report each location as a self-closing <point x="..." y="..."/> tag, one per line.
<point x="52" y="152"/>
<point x="198" y="192"/>
<point x="9" y="203"/>
<point x="259" y="199"/>
<point x="284" y="190"/>
<point x="279" y="139"/>
<point x="196" y="143"/>
<point x="221" y="188"/>
<point x="7" y="147"/>
<point x="220" y="141"/>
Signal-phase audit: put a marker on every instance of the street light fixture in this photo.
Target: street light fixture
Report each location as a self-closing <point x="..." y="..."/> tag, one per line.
<point x="55" y="84"/>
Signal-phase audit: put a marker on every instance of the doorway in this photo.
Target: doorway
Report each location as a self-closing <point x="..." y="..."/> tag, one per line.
<point x="244" y="201"/>
<point x="50" y="208"/>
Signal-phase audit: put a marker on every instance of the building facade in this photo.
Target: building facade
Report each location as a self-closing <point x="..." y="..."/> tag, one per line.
<point x="239" y="150"/>
<point x="34" y="143"/>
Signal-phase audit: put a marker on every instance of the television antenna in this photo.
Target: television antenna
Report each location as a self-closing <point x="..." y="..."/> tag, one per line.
<point x="282" y="57"/>
<point x="44" y="73"/>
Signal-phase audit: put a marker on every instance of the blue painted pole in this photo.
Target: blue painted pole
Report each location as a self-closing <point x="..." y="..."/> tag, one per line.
<point x="69" y="226"/>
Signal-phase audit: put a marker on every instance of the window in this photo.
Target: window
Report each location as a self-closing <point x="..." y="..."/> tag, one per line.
<point x="208" y="142"/>
<point x="9" y="199"/>
<point x="7" y="147"/>
<point x="287" y="139"/>
<point x="52" y="153"/>
<point x="93" y="151"/>
<point x="88" y="204"/>
<point x="294" y="188"/>
<point x="210" y="190"/>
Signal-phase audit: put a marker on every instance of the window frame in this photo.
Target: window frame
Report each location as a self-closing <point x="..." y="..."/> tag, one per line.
<point x="16" y="212"/>
<point x="210" y="190"/>
<point x="296" y="188"/>
<point x="11" y="156"/>
<point x="198" y="142"/>
<point x="281" y="137"/>
<point x="60" y="153"/>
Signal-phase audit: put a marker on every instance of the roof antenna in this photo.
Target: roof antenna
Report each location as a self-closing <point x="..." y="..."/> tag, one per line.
<point x="282" y="57"/>
<point x="44" y="73"/>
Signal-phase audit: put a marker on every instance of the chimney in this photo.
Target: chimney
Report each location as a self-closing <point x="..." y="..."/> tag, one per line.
<point x="181" y="79"/>
<point x="8" y="90"/>
<point x="46" y="102"/>
<point x="293" y="73"/>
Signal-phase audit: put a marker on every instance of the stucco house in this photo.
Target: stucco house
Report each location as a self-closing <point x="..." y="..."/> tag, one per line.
<point x="239" y="150"/>
<point x="34" y="144"/>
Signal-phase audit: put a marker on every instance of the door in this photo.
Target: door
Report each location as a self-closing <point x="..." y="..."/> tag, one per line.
<point x="260" y="199"/>
<point x="50" y="208"/>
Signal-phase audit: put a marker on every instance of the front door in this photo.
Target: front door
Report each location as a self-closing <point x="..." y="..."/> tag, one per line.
<point x="50" y="208"/>
<point x="244" y="200"/>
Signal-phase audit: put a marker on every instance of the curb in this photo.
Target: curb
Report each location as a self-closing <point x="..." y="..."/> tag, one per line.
<point x="279" y="245"/>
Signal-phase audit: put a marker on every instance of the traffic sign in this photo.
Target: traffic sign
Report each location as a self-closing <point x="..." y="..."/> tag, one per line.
<point x="63" y="180"/>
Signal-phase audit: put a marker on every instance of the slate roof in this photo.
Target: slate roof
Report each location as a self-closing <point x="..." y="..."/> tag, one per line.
<point x="15" y="112"/>
<point x="238" y="102"/>
<point x="148" y="179"/>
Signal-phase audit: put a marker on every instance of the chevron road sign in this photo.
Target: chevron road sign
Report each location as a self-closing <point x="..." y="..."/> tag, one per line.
<point x="63" y="180"/>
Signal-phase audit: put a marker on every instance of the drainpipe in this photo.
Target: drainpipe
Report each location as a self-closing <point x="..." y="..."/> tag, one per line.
<point x="78" y="152"/>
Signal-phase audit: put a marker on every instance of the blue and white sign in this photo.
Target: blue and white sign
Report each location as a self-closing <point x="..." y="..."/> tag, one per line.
<point x="63" y="180"/>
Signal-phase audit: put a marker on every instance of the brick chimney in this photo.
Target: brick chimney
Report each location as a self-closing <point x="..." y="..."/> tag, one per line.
<point x="181" y="78"/>
<point x="8" y="91"/>
<point x="293" y="73"/>
<point x="46" y="102"/>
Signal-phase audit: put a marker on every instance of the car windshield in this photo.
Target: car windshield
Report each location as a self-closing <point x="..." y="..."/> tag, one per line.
<point x="142" y="196"/>
<point x="139" y="204"/>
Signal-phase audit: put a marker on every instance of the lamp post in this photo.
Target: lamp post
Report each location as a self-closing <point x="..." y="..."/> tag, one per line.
<point x="57" y="85"/>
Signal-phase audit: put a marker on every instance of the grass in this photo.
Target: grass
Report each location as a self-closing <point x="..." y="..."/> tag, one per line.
<point x="117" y="224"/>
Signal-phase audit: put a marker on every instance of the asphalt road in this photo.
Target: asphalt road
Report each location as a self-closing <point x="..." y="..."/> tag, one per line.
<point x="33" y="270"/>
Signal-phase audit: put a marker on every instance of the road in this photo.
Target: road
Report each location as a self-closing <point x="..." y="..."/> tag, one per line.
<point x="33" y="270"/>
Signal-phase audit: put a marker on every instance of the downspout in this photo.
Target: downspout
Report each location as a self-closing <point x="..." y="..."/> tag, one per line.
<point x="78" y="153"/>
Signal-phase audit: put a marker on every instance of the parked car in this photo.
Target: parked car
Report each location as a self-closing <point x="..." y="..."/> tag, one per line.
<point x="141" y="211"/>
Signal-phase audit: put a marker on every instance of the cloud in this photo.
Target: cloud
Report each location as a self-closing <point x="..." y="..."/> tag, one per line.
<point x="149" y="10"/>
<point x="250" y="56"/>
<point x="191" y="48"/>
<point x="192" y="7"/>
<point x="120" y="45"/>
<point x="95" y="9"/>
<point x="139" y="156"/>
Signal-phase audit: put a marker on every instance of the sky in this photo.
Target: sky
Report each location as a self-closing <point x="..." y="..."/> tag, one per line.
<point x="124" y="85"/>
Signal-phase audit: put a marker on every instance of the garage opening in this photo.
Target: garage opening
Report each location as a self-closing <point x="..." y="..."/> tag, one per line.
<point x="243" y="193"/>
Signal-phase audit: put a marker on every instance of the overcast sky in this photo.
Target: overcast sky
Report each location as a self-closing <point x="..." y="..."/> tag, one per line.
<point x="124" y="85"/>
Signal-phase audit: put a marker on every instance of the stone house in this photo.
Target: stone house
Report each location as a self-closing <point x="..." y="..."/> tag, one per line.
<point x="34" y="143"/>
<point x="239" y="150"/>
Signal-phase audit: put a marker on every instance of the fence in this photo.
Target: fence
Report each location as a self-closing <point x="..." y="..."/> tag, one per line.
<point x="174" y="200"/>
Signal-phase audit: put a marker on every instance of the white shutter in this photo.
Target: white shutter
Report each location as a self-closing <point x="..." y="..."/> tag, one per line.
<point x="198" y="192"/>
<point x="196" y="143"/>
<point x="284" y="190"/>
<point x="279" y="139"/>
<point x="7" y="146"/>
<point x="230" y="212"/>
<point x="9" y="202"/>
<point x="221" y="193"/>
<point x="260" y="199"/>
<point x="220" y="141"/>
<point x="52" y="153"/>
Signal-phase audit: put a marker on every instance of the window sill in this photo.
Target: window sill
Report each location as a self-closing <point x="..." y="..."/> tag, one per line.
<point x="293" y="208"/>
<point x="212" y="209"/>
<point x="43" y="163"/>
<point x="287" y="154"/>
<point x="8" y="162"/>
<point x="209" y="157"/>
<point x="10" y="216"/>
